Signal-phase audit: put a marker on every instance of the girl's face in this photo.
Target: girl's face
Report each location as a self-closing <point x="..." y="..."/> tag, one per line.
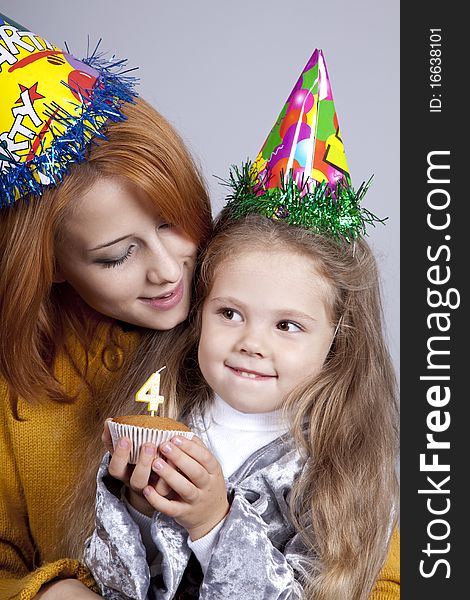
<point x="266" y="327"/>
<point x="124" y="260"/>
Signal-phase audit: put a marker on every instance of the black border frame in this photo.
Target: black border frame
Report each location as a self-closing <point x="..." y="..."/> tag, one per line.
<point x="422" y="132"/>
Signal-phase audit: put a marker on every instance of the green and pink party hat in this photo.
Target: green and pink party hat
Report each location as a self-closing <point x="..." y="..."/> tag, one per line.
<point x="301" y="174"/>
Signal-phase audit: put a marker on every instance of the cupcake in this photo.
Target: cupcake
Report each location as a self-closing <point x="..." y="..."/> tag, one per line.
<point x="141" y="429"/>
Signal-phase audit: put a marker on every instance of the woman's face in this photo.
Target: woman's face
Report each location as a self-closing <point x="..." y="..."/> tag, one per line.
<point x="124" y="260"/>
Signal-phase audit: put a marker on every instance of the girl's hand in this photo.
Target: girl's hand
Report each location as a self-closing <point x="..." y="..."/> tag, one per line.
<point x="66" y="589"/>
<point x="196" y="478"/>
<point x="134" y="477"/>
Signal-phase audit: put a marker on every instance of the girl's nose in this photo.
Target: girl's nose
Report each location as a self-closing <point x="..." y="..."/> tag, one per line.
<point x="253" y="344"/>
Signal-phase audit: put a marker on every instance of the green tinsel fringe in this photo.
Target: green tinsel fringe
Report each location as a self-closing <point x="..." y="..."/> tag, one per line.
<point x="333" y="210"/>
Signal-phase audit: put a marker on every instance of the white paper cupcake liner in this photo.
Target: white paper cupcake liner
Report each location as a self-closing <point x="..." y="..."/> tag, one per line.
<point x="142" y="435"/>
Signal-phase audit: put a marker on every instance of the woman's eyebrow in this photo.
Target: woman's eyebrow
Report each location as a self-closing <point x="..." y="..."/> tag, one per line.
<point x="108" y="243"/>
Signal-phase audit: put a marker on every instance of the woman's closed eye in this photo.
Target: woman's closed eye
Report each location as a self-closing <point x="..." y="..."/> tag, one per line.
<point x="108" y="263"/>
<point x="164" y="226"/>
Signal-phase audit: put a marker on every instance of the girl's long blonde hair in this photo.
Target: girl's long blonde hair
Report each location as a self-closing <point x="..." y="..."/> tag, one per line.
<point x="344" y="504"/>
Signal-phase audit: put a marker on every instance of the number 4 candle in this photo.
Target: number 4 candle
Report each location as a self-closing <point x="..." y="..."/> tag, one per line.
<point x="150" y="392"/>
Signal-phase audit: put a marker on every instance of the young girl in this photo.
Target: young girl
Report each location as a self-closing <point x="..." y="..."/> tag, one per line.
<point x="102" y="214"/>
<point x="296" y="410"/>
<point x="289" y="490"/>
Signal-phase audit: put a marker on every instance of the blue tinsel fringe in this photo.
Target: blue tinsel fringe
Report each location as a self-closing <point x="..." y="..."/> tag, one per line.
<point x="113" y="88"/>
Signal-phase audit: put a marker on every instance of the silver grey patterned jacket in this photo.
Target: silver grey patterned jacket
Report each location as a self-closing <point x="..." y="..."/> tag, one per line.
<point x="257" y="555"/>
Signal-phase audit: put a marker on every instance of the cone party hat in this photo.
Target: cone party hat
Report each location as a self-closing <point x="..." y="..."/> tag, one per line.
<point x="52" y="106"/>
<point x="301" y="174"/>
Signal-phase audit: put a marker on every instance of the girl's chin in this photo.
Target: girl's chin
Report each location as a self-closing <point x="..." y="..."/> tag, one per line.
<point x="252" y="408"/>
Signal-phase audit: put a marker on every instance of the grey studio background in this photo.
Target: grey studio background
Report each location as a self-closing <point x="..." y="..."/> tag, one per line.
<point x="220" y="72"/>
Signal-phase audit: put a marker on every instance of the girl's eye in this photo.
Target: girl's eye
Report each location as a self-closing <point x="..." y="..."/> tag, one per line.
<point x="230" y="314"/>
<point x="288" y="326"/>
<point x="111" y="263"/>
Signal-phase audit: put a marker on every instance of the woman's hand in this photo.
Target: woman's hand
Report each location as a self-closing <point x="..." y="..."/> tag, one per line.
<point x="196" y="478"/>
<point x="134" y="477"/>
<point x="66" y="589"/>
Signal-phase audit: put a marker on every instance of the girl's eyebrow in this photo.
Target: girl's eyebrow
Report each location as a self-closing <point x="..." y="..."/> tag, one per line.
<point x="294" y="314"/>
<point x="106" y="244"/>
<point x="226" y="300"/>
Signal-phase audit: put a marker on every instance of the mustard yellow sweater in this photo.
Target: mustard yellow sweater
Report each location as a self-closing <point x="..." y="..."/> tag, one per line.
<point x="40" y="461"/>
<point x="39" y="454"/>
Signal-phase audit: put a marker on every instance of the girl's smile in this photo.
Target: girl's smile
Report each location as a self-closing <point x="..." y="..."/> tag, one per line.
<point x="249" y="374"/>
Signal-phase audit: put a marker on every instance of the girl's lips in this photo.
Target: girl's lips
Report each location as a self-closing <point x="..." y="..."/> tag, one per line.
<point x="249" y="374"/>
<point x="167" y="301"/>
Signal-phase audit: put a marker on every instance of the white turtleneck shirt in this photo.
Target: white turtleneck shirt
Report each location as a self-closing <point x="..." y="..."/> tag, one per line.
<point x="234" y="435"/>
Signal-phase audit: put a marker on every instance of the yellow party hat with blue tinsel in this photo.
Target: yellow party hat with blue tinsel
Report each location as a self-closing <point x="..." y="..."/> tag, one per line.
<point x="52" y="107"/>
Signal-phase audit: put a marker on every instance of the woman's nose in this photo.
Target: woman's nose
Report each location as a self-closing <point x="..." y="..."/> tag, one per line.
<point x="164" y="266"/>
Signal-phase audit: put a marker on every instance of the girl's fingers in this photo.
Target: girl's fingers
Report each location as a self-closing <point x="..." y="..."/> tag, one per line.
<point x="198" y="450"/>
<point x="162" y="487"/>
<point x="139" y="502"/>
<point x="143" y="469"/>
<point x="194" y="449"/>
<point x="171" y="508"/>
<point x="198" y="441"/>
<point x="185" y="463"/>
<point x="182" y="486"/>
<point x="138" y="476"/>
<point x="119" y="464"/>
<point x="106" y="437"/>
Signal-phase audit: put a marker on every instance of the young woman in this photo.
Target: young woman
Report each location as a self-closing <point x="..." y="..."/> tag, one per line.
<point x="100" y="226"/>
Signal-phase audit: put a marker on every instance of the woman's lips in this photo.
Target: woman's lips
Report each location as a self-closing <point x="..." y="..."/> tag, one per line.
<point x="166" y="301"/>
<point x="249" y="374"/>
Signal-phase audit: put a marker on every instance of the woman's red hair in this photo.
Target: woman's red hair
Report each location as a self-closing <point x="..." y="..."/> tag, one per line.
<point x="35" y="313"/>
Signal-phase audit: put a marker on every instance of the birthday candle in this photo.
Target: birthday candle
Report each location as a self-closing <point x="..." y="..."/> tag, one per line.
<point x="150" y="392"/>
